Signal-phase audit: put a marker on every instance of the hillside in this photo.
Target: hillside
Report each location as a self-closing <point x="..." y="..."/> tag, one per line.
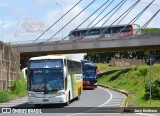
<point x="133" y="80"/>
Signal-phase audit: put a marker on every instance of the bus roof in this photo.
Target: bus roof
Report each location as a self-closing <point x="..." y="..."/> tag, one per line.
<point x="88" y="63"/>
<point x="53" y="57"/>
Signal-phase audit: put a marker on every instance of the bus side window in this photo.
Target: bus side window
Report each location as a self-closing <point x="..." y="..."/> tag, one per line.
<point x="117" y="29"/>
<point x="79" y="68"/>
<point x="74" y="67"/>
<point x="69" y="66"/>
<point x="77" y="34"/>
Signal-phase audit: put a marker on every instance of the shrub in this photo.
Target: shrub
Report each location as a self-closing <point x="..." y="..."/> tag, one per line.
<point x="18" y="89"/>
<point x="143" y="71"/>
<point x="135" y="68"/>
<point x="18" y="86"/>
<point x="150" y="30"/>
<point x="155" y="90"/>
<point x="4" y="96"/>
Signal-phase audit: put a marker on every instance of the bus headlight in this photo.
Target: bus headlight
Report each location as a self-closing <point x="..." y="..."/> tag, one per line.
<point x="95" y="84"/>
<point x="31" y="95"/>
<point x="60" y="93"/>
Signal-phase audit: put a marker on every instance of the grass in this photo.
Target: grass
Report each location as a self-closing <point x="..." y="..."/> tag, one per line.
<point x="131" y="79"/>
<point x="106" y="67"/>
<point x="17" y="89"/>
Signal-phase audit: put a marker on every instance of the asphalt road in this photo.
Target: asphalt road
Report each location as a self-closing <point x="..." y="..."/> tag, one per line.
<point x="90" y="100"/>
<point x="97" y="102"/>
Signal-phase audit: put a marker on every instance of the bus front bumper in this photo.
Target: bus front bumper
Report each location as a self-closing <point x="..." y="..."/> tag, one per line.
<point x="47" y="100"/>
<point x="89" y="86"/>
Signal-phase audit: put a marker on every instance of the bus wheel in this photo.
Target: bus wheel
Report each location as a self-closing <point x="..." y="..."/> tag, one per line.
<point x="78" y="97"/>
<point x="68" y="102"/>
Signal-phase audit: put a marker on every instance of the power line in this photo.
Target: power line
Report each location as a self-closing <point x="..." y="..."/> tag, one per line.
<point x="148" y="3"/>
<point x="109" y="12"/>
<point x="120" y="16"/>
<point x="150" y="19"/>
<point x="137" y="17"/>
<point x="71" y="20"/>
<point x="89" y="17"/>
<point x="93" y="13"/>
<point x="101" y="12"/>
<point x="147" y="23"/>
<point x="57" y="21"/>
<point x="102" y="18"/>
<point x="114" y="13"/>
<point x="132" y="7"/>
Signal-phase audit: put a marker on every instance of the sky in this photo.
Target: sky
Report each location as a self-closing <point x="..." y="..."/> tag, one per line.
<point x="25" y="20"/>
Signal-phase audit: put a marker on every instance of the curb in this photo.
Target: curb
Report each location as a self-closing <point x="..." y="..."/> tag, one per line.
<point x="125" y="93"/>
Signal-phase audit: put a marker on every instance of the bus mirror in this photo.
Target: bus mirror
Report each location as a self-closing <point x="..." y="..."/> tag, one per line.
<point x="65" y="71"/>
<point x="24" y="72"/>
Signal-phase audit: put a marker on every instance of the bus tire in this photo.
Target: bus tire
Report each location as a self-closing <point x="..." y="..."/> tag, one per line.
<point x="79" y="93"/>
<point x="68" y="102"/>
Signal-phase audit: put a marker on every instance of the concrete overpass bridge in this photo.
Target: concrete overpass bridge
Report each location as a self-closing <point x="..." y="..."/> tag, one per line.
<point x="140" y="42"/>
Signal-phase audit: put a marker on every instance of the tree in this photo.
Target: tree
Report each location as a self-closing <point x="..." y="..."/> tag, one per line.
<point x="107" y="56"/>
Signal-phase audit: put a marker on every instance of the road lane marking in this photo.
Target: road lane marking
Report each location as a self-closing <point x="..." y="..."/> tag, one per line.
<point x="144" y="114"/>
<point x="105" y="114"/>
<point x="111" y="96"/>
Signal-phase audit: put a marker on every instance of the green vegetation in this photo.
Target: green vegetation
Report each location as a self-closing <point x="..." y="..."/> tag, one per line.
<point x="150" y="30"/>
<point x="107" y="56"/>
<point x="106" y="67"/>
<point x="135" y="80"/>
<point x="9" y="45"/>
<point x="155" y="90"/>
<point x="18" y="88"/>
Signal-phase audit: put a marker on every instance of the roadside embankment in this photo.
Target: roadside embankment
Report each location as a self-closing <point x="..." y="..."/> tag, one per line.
<point x="134" y="82"/>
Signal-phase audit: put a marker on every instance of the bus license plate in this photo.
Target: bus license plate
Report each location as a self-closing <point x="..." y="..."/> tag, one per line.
<point x="45" y="100"/>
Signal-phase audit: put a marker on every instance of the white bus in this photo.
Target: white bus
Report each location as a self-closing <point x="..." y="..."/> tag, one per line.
<point x="54" y="79"/>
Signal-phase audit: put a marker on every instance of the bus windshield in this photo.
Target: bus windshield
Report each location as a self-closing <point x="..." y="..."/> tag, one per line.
<point x="89" y="73"/>
<point x="37" y="82"/>
<point x="55" y="63"/>
<point x="46" y="80"/>
<point x="54" y="79"/>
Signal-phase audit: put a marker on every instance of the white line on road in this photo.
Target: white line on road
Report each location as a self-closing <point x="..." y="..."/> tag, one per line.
<point x="111" y="96"/>
<point x="144" y="114"/>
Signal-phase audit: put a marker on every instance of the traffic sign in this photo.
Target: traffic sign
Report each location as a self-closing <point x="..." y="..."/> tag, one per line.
<point x="150" y="59"/>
